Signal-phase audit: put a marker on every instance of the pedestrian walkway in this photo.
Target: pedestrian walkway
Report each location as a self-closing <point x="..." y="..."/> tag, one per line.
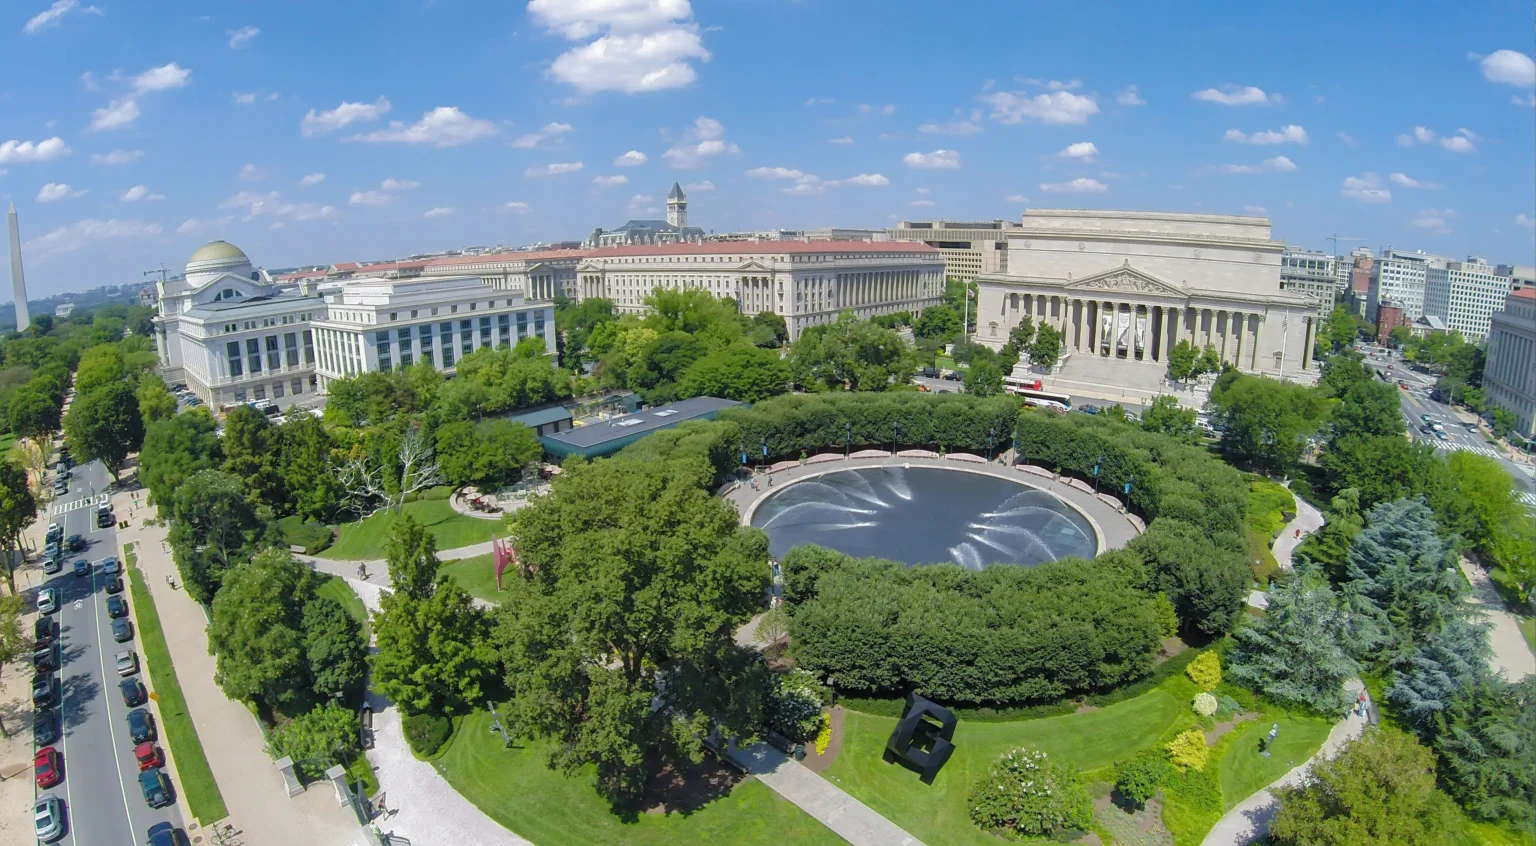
<point x="378" y="568"/>
<point x="849" y="818"/>
<point x="1308" y="520"/>
<point x="1511" y="656"/>
<point x="232" y="739"/>
<point x="1248" y="822"/>
<point x="1486" y="452"/>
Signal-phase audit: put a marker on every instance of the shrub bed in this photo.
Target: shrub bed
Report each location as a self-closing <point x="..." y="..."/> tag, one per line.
<point x="426" y="733"/>
<point x="1028" y="793"/>
<point x="810" y="422"/>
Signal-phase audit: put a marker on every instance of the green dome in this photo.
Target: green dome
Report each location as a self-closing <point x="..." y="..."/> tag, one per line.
<point x="217" y="251"/>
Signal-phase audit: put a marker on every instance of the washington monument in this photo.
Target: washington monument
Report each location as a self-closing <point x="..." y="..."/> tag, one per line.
<point x="18" y="281"/>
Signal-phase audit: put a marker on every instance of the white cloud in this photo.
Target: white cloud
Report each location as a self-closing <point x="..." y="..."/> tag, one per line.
<point x="961" y="125"/>
<point x="244" y="99"/>
<point x="1083" y="150"/>
<point x="251" y="173"/>
<point x="240" y="37"/>
<point x="550" y="132"/>
<point x="1349" y="140"/>
<point x="18" y="152"/>
<point x="311" y="180"/>
<point x="1458" y="143"/>
<point x="55" y="191"/>
<point x="1288" y="134"/>
<point x="819" y="101"/>
<point x="193" y="226"/>
<point x="1434" y="220"/>
<point x="936" y="160"/>
<point x="706" y="185"/>
<point x="1060" y="107"/>
<point x="162" y="78"/>
<point x="925" y="190"/>
<point x="118" y="113"/>
<point x="52" y="15"/>
<point x="610" y="181"/>
<point x="1366" y="188"/>
<point x="1407" y="181"/>
<point x="444" y="126"/>
<point x="88" y="81"/>
<point x="1280" y="164"/>
<point x="1232" y="95"/>
<point x="552" y="169"/>
<point x="888" y="110"/>
<point x="641" y="45"/>
<point x="271" y="204"/>
<point x="1064" y="86"/>
<point x="632" y="158"/>
<point x="1079" y="185"/>
<point x="846" y="139"/>
<point x="1130" y="97"/>
<point x="804" y="183"/>
<point x="700" y="144"/>
<point x="1525" y="220"/>
<point x="1255" y="210"/>
<point x="518" y="206"/>
<point x="393" y="184"/>
<point x="140" y="192"/>
<point x="319" y="123"/>
<point x="1510" y="67"/>
<point x="1423" y="134"/>
<point x="440" y="211"/>
<point x="116" y="157"/>
<point x="1461" y="142"/>
<point x="1016" y="198"/>
<point x="1528" y="101"/>
<point x="85" y="233"/>
<point x="873" y="179"/>
<point x="921" y="204"/>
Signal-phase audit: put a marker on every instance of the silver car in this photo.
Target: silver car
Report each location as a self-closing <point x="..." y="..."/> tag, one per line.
<point x="127" y="662"/>
<point x="48" y="818"/>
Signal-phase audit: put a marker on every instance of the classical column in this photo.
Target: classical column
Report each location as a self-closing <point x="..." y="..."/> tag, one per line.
<point x="1155" y="317"/>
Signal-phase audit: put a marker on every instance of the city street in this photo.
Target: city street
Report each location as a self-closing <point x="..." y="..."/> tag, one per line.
<point x="100" y="790"/>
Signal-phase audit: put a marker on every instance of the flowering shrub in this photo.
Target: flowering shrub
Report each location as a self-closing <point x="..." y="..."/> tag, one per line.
<point x="1205" y="704"/>
<point x="1140" y="778"/>
<point x="1205" y="671"/>
<point x="1029" y="794"/>
<point x="824" y="737"/>
<point x="1188" y="751"/>
<point x="794" y="706"/>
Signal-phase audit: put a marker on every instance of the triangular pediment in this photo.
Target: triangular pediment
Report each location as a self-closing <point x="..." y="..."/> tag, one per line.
<point x="1128" y="279"/>
<point x="755" y="266"/>
<point x="589" y="266"/>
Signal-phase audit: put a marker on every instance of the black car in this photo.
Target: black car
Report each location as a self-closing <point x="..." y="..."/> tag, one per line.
<point x="116" y="607"/>
<point x="156" y="787"/>
<point x="141" y="726"/>
<point x="45" y="728"/>
<point x="82" y="567"/>
<point x="45" y="659"/>
<point x="133" y="692"/>
<point x="75" y="543"/>
<point x="115" y="584"/>
<point x="122" y="630"/>
<point x="44" y="631"/>
<point x="103" y="519"/>
<point x="45" y="691"/>
<point x="165" y="834"/>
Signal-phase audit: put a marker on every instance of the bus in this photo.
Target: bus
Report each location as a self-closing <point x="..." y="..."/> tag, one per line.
<point x="1030" y="390"/>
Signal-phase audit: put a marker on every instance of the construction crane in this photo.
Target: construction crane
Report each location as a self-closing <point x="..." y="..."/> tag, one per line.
<point x="1336" y="239"/>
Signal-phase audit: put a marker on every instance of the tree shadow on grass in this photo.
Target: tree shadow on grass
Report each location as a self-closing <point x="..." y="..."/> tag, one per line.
<point x="680" y="787"/>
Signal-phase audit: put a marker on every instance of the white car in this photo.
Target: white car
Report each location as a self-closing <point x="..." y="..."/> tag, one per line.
<point x="48" y="818"/>
<point x="47" y="601"/>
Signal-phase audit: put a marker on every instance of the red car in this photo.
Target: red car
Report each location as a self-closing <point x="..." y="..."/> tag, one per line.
<point x="46" y="766"/>
<point x="148" y="756"/>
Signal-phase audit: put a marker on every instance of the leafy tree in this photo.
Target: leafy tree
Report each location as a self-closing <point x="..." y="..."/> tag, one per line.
<point x="1343" y="327"/>
<point x="1182" y="361"/>
<point x="1328" y="547"/>
<point x="334" y="648"/>
<point x="662" y="362"/>
<point x="1141" y="777"/>
<point x="214" y="527"/>
<point x="155" y="402"/>
<point x="1206" y="582"/>
<point x="984" y="380"/>
<point x="1450" y="659"/>
<point x="1487" y="759"/>
<point x="434" y="654"/>
<point x="1021" y="335"/>
<point x="1403" y="576"/>
<point x="1514" y="548"/>
<point x="1369" y="409"/>
<point x="257" y="632"/>
<point x="99" y="367"/>
<point x="307" y="471"/>
<point x="768" y="329"/>
<point x="1209" y="361"/>
<point x="328" y="733"/>
<point x="851" y="353"/>
<point x="1503" y="422"/>
<point x="1266" y="421"/>
<point x="1383" y="468"/>
<point x="175" y="449"/>
<point x="105" y="424"/>
<point x="18" y="508"/>
<point x="412" y="558"/>
<point x="714" y="320"/>
<point x="1167" y="417"/>
<point x="1379" y="789"/>
<point x="941" y="323"/>
<point x="1487" y="495"/>
<point x="1342" y="371"/>
<point x="1045" y="350"/>
<point x="738" y="372"/>
<point x="1302" y="651"/>
<point x="250" y="452"/>
<point x="633" y="569"/>
<point x="1399" y="336"/>
<point x="34" y="413"/>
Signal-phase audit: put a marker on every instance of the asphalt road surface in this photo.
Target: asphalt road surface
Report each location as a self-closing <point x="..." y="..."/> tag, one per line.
<point x="100" y="791"/>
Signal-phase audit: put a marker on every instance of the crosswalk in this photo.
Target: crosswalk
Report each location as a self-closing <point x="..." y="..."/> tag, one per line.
<point x="1452" y="446"/>
<point x="82" y="502"/>
<point x="1529" y="499"/>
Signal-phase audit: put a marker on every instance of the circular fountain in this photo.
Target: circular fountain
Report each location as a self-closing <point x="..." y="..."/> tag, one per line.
<point x="925" y="515"/>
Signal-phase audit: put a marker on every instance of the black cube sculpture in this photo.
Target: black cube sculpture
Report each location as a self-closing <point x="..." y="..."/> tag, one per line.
<point x="923" y="739"/>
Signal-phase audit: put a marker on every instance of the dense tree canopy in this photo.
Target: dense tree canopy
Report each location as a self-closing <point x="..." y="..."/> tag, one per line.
<point x="850" y="354"/>
<point x="1303" y="650"/>
<point x="105" y="424"/>
<point x="214" y="527"/>
<point x="257" y="632"/>
<point x="1266" y="422"/>
<point x="174" y="450"/>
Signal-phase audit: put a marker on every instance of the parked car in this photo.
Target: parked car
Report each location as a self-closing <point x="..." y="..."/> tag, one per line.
<point x="149" y="756"/>
<point x="133" y="692"/>
<point x="122" y="630"/>
<point x="111" y="566"/>
<point x="165" y="834"/>
<point x="51" y="549"/>
<point x="47" y="767"/>
<point x="44" y="631"/>
<point x="82" y="568"/>
<point x="115" y="584"/>
<point x="1440" y="433"/>
<point x="45" y="658"/>
<point x="60" y="488"/>
<point x="156" y="787"/>
<point x="48" y="818"/>
<point x="127" y="662"/>
<point x="75" y="543"/>
<point x="45" y="691"/>
<point x="53" y="565"/>
<point x="141" y="726"/>
<point x="47" y="600"/>
<point x="116" y="607"/>
<point x="45" y="728"/>
<point x="104" y="517"/>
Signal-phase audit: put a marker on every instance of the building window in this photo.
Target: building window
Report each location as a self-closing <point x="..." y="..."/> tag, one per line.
<point x="309" y="347"/>
<point x="261" y="392"/>
<point x="232" y="349"/>
<point x="538" y="323"/>
<point x="274" y="359"/>
<point x="291" y="344"/>
<point x="466" y="337"/>
<point x="240" y="395"/>
<point x="298" y="386"/>
<point x="277" y="390"/>
<point x="485" y="329"/>
<point x="504" y="329"/>
<point x="522" y="325"/>
<point x="253" y="355"/>
<point x="381" y="346"/>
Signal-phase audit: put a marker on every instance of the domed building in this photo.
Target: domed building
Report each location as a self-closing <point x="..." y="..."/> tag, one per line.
<point x="228" y="333"/>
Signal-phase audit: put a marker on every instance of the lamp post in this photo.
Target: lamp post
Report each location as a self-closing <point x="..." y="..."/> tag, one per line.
<point x="1096" y="463"/>
<point x="990" y="435"/>
<point x="894" y="428"/>
<point x="765" y="450"/>
<point x="848" y="441"/>
<point x="1128" y="489"/>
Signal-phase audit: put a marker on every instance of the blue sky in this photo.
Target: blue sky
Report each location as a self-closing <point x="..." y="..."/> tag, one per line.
<point x="130" y="133"/>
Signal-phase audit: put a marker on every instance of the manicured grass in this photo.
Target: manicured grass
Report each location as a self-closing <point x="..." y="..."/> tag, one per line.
<point x="337" y="589"/>
<point x="311" y="537"/>
<point x="1244" y="771"/>
<point x="365" y="540"/>
<point x="517" y="790"/>
<point x="476" y="576"/>
<point x="197" y="783"/>
<point x="7" y="440"/>
<point x="937" y="813"/>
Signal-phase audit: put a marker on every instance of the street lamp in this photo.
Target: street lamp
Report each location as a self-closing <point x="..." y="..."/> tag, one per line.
<point x="848" y="441"/>
<point x="1096" y="463"/>
<point x="894" y="428"/>
<point x="1128" y="489"/>
<point x="990" y="435"/>
<point x="765" y="450"/>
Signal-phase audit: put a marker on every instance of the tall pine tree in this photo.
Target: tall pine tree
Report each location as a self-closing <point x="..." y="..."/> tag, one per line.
<point x="1402" y="575"/>
<point x="1302" y="652"/>
<point x="1450" y="660"/>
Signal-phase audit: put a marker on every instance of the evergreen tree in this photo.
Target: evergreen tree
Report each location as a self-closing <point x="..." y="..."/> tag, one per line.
<point x="1450" y="660"/>
<point x="1403" y="576"/>
<point x="1486" y="739"/>
<point x="1301" y="652"/>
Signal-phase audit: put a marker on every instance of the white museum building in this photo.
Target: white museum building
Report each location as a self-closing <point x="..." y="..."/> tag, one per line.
<point x="1125" y="287"/>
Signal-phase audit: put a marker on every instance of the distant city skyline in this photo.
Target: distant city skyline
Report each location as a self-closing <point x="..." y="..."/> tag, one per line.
<point x="142" y="133"/>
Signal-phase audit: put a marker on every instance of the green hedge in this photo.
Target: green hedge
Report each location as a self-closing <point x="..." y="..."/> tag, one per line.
<point x="810" y="423"/>
<point x="426" y="733"/>
<point x="310" y="536"/>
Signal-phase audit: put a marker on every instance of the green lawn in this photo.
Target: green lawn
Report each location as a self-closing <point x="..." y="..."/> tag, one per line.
<point x="515" y="788"/>
<point x="365" y="540"/>
<point x="1243" y="771"/>
<point x="197" y="783"/>
<point x="7" y="440"/>
<point x="338" y="590"/>
<point x="476" y="576"/>
<point x="937" y="813"/>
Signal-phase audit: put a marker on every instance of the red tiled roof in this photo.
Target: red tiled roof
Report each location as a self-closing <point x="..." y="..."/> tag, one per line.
<point x="302" y="274"/>
<point x="511" y="255"/>
<point x="1524" y="293"/>
<point x="765" y="248"/>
